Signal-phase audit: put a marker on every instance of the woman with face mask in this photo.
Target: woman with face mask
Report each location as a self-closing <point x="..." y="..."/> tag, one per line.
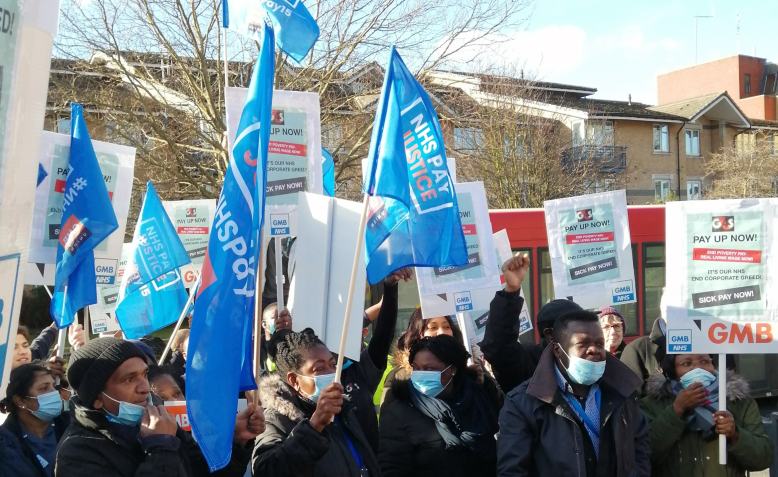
<point x="682" y="407"/>
<point x="310" y="429"/>
<point x="29" y="436"/>
<point x="440" y="422"/>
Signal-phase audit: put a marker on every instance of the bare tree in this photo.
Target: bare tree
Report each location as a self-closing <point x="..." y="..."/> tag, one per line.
<point x="746" y="170"/>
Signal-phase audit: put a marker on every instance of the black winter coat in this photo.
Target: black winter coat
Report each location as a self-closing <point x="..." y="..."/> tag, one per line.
<point x="412" y="447"/>
<point x="91" y="447"/>
<point x="17" y="459"/>
<point x="541" y="435"/>
<point x="512" y="363"/>
<point x="290" y="447"/>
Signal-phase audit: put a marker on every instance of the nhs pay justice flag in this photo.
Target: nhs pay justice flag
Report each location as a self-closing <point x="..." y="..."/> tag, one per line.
<point x="590" y="249"/>
<point x="720" y="286"/>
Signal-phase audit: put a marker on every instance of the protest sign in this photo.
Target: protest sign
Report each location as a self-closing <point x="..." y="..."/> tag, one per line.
<point x="101" y="315"/>
<point x="450" y="290"/>
<point x="192" y="220"/>
<point x="321" y="268"/>
<point x="502" y="246"/>
<point x="27" y="31"/>
<point x="721" y="286"/>
<point x="177" y="409"/>
<point x="294" y="152"/>
<point x="117" y="164"/>
<point x="590" y="249"/>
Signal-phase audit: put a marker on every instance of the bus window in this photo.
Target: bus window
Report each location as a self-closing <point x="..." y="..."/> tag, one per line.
<point x="630" y="310"/>
<point x="653" y="282"/>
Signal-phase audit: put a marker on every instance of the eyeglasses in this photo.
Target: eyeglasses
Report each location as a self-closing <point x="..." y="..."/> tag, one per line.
<point x="700" y="363"/>
<point x="614" y="327"/>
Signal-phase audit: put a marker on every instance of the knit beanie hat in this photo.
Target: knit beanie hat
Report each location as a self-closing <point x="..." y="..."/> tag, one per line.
<point x="93" y="364"/>
<point x="554" y="309"/>
<point x="609" y="310"/>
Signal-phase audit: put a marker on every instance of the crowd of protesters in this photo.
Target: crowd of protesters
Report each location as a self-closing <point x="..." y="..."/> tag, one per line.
<point x="582" y="402"/>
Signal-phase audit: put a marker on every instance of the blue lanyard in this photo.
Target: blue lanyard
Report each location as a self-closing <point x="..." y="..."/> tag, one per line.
<point x="351" y="447"/>
<point x="579" y="410"/>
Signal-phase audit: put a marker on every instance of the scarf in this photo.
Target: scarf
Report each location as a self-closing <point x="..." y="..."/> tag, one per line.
<point x="468" y="421"/>
<point x="701" y="420"/>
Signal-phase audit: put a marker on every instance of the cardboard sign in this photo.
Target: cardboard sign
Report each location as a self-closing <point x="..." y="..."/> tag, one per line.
<point x="294" y="152"/>
<point x="192" y="220"/>
<point x="590" y="249"/>
<point x="320" y="269"/>
<point x="102" y="318"/>
<point x="721" y="290"/>
<point x="177" y="409"/>
<point x="117" y="164"/>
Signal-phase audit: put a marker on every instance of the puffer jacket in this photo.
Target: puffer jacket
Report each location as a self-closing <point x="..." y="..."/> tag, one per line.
<point x="676" y="451"/>
<point x="291" y="447"/>
<point x="541" y="435"/>
<point x="17" y="458"/>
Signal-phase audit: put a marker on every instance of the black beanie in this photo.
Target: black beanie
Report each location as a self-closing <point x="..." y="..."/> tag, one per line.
<point x="93" y="364"/>
<point x="554" y="309"/>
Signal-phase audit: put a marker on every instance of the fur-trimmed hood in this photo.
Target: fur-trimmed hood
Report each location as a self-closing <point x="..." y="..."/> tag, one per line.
<point x="658" y="387"/>
<point x="277" y="396"/>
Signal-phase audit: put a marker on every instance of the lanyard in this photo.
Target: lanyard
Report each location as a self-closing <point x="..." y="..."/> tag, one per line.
<point x="353" y="448"/>
<point x="579" y="410"/>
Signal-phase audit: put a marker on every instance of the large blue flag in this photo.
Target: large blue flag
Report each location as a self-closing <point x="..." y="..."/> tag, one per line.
<point x="328" y="172"/>
<point x="220" y="341"/>
<point x="416" y="219"/>
<point x="297" y="30"/>
<point x="152" y="293"/>
<point x="87" y="219"/>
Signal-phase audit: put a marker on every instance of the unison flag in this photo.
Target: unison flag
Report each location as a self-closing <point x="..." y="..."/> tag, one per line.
<point x="297" y="29"/>
<point x="219" y="342"/>
<point x="328" y="172"/>
<point x="152" y="293"/>
<point x="415" y="219"/>
<point x="87" y="219"/>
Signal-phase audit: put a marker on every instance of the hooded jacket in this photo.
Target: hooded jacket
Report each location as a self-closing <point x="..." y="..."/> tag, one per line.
<point x="676" y="451"/>
<point x="291" y="447"/>
<point x="16" y="457"/>
<point x="644" y="354"/>
<point x="541" y="435"/>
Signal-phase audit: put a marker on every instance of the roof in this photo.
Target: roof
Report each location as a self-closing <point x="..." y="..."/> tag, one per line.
<point x="715" y="105"/>
<point x="763" y="124"/>
<point x="603" y="108"/>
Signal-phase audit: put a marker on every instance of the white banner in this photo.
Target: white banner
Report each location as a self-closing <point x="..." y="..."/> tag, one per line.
<point x="117" y="164"/>
<point x="590" y="249"/>
<point x="27" y="31"/>
<point x="721" y="291"/>
<point x="294" y="159"/>
<point x="192" y="220"/>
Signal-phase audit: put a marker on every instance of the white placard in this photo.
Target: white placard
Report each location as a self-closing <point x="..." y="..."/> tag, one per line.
<point x="590" y="249"/>
<point x="117" y="164"/>
<point x="192" y="220"/>
<point x="721" y="291"/>
<point x="321" y="269"/>
<point x="102" y="318"/>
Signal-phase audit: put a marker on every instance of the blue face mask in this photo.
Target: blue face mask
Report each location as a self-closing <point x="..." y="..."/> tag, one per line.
<point x="321" y="381"/>
<point x="49" y="406"/>
<point x="271" y="326"/>
<point x="129" y="414"/>
<point x="582" y="371"/>
<point x="698" y="375"/>
<point x="429" y="383"/>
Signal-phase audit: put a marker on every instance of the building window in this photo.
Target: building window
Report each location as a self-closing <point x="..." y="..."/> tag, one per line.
<point x="692" y="142"/>
<point x="63" y="125"/>
<point x="661" y="189"/>
<point x="661" y="138"/>
<point x="468" y="139"/>
<point x="600" y="185"/>
<point x="693" y="189"/>
<point x="747" y="84"/>
<point x="578" y="139"/>
<point x="600" y="133"/>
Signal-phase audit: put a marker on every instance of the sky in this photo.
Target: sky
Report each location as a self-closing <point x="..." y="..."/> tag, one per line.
<point x="620" y="46"/>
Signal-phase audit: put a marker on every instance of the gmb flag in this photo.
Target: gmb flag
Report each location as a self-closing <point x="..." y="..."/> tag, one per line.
<point x="87" y="219"/>
<point x="152" y="293"/>
<point x="219" y="354"/>
<point x="297" y="30"/>
<point x="414" y="217"/>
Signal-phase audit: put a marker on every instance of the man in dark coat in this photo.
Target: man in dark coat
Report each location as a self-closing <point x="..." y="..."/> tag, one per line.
<point x="114" y="431"/>
<point x="578" y="415"/>
<point x="512" y="362"/>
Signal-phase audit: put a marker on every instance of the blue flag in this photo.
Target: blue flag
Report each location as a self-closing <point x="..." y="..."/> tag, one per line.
<point x="328" y="172"/>
<point x="42" y="174"/>
<point x="152" y="294"/>
<point x="416" y="220"/>
<point x="219" y="356"/>
<point x="87" y="219"/>
<point x="297" y="31"/>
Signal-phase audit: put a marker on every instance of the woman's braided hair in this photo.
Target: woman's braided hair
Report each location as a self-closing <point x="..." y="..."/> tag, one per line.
<point x="289" y="348"/>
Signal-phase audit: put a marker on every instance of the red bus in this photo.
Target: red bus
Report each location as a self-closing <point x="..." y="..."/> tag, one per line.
<point x="527" y="233"/>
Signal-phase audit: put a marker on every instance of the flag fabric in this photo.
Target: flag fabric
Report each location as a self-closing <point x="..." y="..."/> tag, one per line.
<point x="414" y="220"/>
<point x="297" y="31"/>
<point x="328" y="172"/>
<point x="87" y="219"/>
<point x="152" y="293"/>
<point x="219" y="356"/>
<point x="42" y="174"/>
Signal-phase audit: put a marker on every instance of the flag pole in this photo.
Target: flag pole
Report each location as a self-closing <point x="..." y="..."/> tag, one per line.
<point x="279" y="274"/>
<point x="722" y="405"/>
<point x="351" y="284"/>
<point x="259" y="285"/>
<point x="180" y="320"/>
